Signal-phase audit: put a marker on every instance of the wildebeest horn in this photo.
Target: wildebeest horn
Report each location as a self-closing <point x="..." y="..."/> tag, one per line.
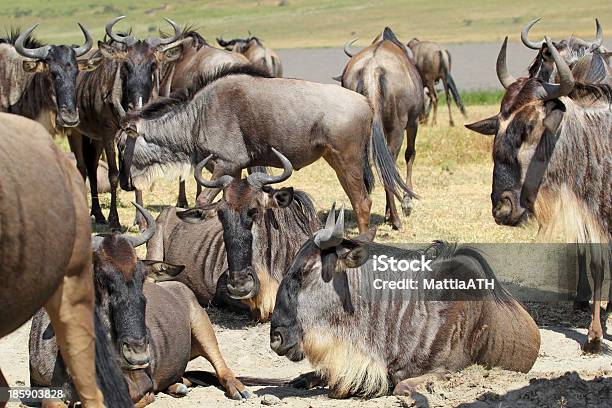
<point x="502" y="69"/>
<point x="566" y="78"/>
<point x="525" y="36"/>
<point x="35" y="53"/>
<point x="177" y="33"/>
<point x="598" y="37"/>
<point x="216" y="183"/>
<point x="147" y="234"/>
<point x="115" y="37"/>
<point x="261" y="179"/>
<point x="333" y="233"/>
<point x="347" y="45"/>
<point x="83" y="49"/>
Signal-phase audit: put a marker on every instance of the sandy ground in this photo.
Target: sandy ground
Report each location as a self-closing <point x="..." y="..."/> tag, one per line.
<point x="561" y="377"/>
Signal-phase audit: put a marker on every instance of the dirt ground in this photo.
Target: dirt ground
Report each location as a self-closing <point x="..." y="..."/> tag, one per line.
<point x="561" y="377"/>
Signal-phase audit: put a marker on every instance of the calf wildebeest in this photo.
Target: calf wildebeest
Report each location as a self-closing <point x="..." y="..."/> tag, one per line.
<point x="258" y="54"/>
<point x="127" y="77"/>
<point x="572" y="50"/>
<point x="434" y="64"/>
<point x="252" y="232"/>
<point x="386" y="75"/>
<point x="239" y="114"/>
<point x="367" y="341"/>
<point x="541" y="128"/>
<point x="45" y="256"/>
<point x="38" y="81"/>
<point x="156" y="328"/>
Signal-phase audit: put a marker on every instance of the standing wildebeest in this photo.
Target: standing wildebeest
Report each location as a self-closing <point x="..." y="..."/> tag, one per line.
<point x="366" y="340"/>
<point x="38" y="81"/>
<point x="253" y="232"/>
<point x="126" y="79"/>
<point x="45" y="256"/>
<point x="553" y="159"/>
<point x="240" y="114"/>
<point x="434" y="64"/>
<point x="384" y="73"/>
<point x="258" y="54"/>
<point x="156" y="328"/>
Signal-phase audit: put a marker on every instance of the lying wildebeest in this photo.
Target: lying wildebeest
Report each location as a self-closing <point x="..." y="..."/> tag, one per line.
<point x="240" y="114"/>
<point x="156" y="327"/>
<point x="127" y="77"/>
<point x="434" y="64"/>
<point x="367" y="341"/>
<point x="38" y="81"/>
<point x="541" y="128"/>
<point x="45" y="256"/>
<point x="252" y="232"/>
<point x="572" y="50"/>
<point x="385" y="74"/>
<point x="258" y="54"/>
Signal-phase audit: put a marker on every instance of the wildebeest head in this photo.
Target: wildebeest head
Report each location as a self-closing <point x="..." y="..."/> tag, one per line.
<point x="61" y="63"/>
<point x="317" y="284"/>
<point x="140" y="61"/>
<point x="242" y="205"/>
<point x="571" y="50"/>
<point x="119" y="278"/>
<point x="525" y="132"/>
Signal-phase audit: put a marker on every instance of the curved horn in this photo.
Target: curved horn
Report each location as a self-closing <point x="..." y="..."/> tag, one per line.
<point x="35" y="53"/>
<point x="261" y="179"/>
<point x="177" y="33"/>
<point x="222" y="42"/>
<point x="109" y="30"/>
<point x="147" y="234"/>
<point x="216" y="183"/>
<point x="83" y="49"/>
<point x="525" y="36"/>
<point x="502" y="69"/>
<point x="598" y="37"/>
<point x="347" y="45"/>
<point x="566" y="78"/>
<point x="333" y="233"/>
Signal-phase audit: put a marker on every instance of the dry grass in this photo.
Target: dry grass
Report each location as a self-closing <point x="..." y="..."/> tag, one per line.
<point x="452" y="175"/>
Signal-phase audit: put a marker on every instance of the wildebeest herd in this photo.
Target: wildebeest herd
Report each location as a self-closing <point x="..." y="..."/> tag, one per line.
<point x="115" y="329"/>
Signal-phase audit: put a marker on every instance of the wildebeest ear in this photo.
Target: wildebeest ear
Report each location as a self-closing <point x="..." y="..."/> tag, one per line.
<point x="367" y="236"/>
<point x="338" y="78"/>
<point x="34" y="66"/>
<point x="283" y="197"/>
<point x="486" y="126"/>
<point x="110" y="51"/>
<point x="159" y="271"/>
<point x="89" y="64"/>
<point x="355" y="257"/>
<point x="197" y="215"/>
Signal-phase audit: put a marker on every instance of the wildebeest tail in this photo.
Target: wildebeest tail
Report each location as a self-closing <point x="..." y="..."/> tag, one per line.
<point x="450" y="82"/>
<point x="109" y="375"/>
<point x="207" y="378"/>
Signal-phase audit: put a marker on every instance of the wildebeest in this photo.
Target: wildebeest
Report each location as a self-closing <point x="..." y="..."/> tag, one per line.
<point x="45" y="256"/>
<point x="385" y="74"/>
<point x="572" y="50"/>
<point x="553" y="159"/>
<point x="156" y="328"/>
<point x="258" y="54"/>
<point x="38" y="81"/>
<point x="240" y="247"/>
<point x="239" y="114"/>
<point x="434" y="64"/>
<point x="127" y="77"/>
<point x="365" y="340"/>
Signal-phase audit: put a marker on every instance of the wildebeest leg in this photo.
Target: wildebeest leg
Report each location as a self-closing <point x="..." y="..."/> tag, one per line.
<point x="609" y="306"/>
<point x="349" y="171"/>
<point x="113" y="178"/>
<point x="434" y="101"/>
<point x="92" y="150"/>
<point x="70" y="310"/>
<point x="448" y="103"/>
<point x="583" y="291"/>
<point x="598" y="252"/>
<point x="307" y="380"/>
<point x="75" y="141"/>
<point x="3" y="384"/>
<point x="407" y="386"/>
<point x="204" y="343"/>
<point x="139" y="218"/>
<point x="409" y="155"/>
<point x="182" y="195"/>
<point x="394" y="141"/>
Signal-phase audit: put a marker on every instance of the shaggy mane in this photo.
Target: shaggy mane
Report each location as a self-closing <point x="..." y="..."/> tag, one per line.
<point x="12" y="35"/>
<point x="178" y="99"/>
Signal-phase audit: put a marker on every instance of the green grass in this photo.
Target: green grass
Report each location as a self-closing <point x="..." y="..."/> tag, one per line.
<point x="316" y="23"/>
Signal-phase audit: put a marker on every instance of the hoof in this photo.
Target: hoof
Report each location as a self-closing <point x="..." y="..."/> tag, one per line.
<point x="307" y="381"/>
<point x="592" y="346"/>
<point x="407" y="205"/>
